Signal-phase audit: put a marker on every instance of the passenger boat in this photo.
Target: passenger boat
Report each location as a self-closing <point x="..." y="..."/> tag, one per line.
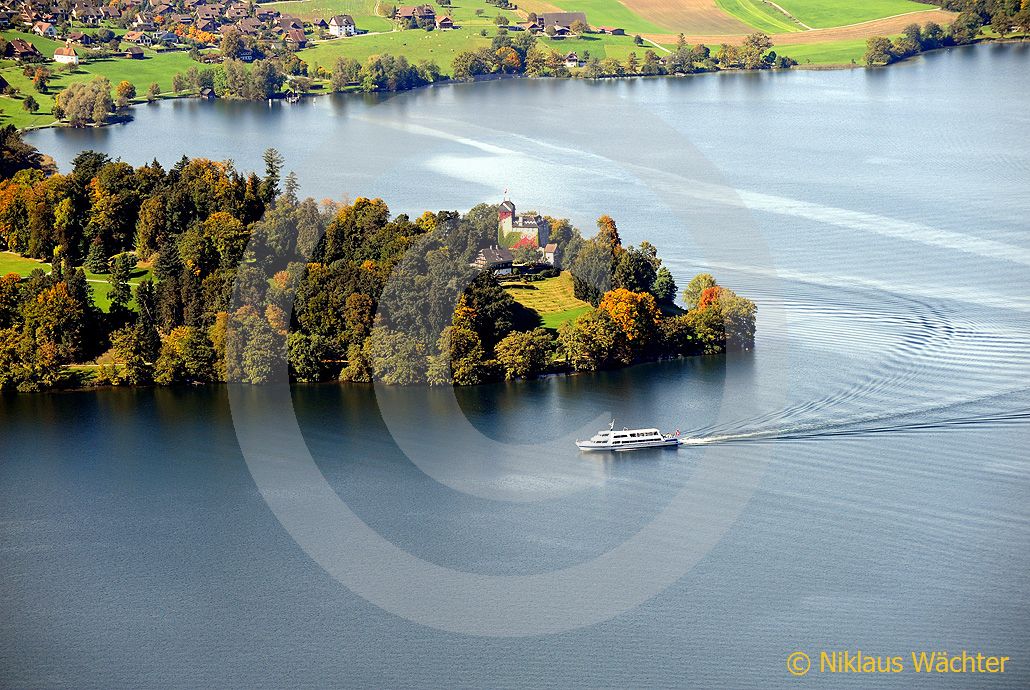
<point x="629" y="439"/>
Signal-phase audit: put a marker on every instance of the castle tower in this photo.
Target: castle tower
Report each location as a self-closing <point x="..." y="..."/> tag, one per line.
<point x="505" y="214"/>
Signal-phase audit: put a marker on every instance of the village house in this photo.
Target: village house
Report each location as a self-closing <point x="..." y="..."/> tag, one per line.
<point x="610" y="30"/>
<point x="420" y="14"/>
<point x="286" y="23"/>
<point x="245" y="55"/>
<point x="133" y="53"/>
<point x="444" y="23"/>
<point x="512" y="226"/>
<point x="209" y="14"/>
<point x="80" y="38"/>
<point x="572" y="60"/>
<point x="138" y="37"/>
<point x="88" y="14"/>
<point x="563" y="19"/>
<point x="143" y="22"/>
<point x="249" y="26"/>
<point x="111" y="13"/>
<point x="496" y="259"/>
<point x="20" y="49"/>
<point x="342" y="25"/>
<point x="44" y="29"/>
<point x="296" y="39"/>
<point x="5" y="19"/>
<point x="66" y="55"/>
<point x="320" y="25"/>
<point x="550" y="250"/>
<point x="56" y="13"/>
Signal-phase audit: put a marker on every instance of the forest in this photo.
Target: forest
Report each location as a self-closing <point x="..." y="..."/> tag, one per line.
<point x="253" y="284"/>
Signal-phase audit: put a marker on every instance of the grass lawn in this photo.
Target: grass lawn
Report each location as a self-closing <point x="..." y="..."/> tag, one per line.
<point x="821" y="14"/>
<point x="416" y="45"/>
<point x="552" y="299"/>
<point x="12" y="263"/>
<point x="832" y="53"/>
<point x="601" y="13"/>
<point x="155" y="67"/>
<point x="760" y="15"/>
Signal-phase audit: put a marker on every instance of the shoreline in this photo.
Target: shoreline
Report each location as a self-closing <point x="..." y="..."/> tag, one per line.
<point x="125" y="117"/>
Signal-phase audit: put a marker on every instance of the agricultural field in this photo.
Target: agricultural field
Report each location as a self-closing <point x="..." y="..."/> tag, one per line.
<point x="761" y="15"/>
<point x="823" y="14"/>
<point x="551" y="298"/>
<point x="606" y="13"/>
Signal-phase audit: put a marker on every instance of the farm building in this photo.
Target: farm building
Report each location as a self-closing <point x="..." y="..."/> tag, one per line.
<point x="342" y="25"/>
<point x="66" y="55"/>
<point x="566" y="19"/>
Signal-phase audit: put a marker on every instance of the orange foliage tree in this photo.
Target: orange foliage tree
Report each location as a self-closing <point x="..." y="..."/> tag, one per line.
<point x="635" y="313"/>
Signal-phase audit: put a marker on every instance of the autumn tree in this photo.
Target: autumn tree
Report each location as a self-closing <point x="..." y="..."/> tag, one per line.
<point x="635" y="314"/>
<point x="525" y="354"/>
<point x="697" y="285"/>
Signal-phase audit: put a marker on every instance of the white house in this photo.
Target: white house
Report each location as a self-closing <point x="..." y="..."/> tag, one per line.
<point x="66" y="55"/>
<point x="44" y="29"/>
<point x="342" y="25"/>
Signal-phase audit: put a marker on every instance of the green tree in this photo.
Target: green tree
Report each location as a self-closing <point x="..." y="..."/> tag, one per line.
<point x="29" y="104"/>
<point x="96" y="260"/>
<point x="879" y="51"/>
<point x="121" y="292"/>
<point x="153" y="91"/>
<point x="664" y="288"/>
<point x="525" y="354"/>
<point x="697" y="285"/>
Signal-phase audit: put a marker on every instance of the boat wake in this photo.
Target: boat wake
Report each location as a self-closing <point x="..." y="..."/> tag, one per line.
<point x="924" y="420"/>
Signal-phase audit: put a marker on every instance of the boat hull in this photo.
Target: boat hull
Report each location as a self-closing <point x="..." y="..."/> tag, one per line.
<point x="622" y="447"/>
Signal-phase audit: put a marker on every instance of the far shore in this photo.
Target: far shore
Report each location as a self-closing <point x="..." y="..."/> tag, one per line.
<point x="124" y="116"/>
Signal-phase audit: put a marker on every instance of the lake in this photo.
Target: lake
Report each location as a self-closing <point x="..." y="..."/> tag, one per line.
<point x="859" y="481"/>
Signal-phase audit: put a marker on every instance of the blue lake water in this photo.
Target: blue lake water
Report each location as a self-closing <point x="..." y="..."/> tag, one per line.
<point x="863" y="474"/>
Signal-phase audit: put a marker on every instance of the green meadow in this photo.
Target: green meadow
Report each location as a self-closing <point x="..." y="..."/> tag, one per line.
<point x="602" y="13"/>
<point x="760" y="15"/>
<point x="822" y="14"/>
<point x="551" y="298"/>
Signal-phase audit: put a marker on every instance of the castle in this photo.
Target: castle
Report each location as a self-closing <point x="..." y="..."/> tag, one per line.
<point x="512" y="227"/>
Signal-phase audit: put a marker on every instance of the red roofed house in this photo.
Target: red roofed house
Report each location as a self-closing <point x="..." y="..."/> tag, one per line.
<point x="66" y="55"/>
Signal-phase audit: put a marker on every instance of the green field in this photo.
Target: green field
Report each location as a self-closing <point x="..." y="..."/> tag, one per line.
<point x="602" y="13"/>
<point x="834" y="53"/>
<point x="821" y="14"/>
<point x="551" y="298"/>
<point x="156" y="67"/>
<point x="760" y="15"/>
<point x="12" y="263"/>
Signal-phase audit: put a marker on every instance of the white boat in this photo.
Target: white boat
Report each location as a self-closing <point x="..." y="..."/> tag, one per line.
<point x="629" y="439"/>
